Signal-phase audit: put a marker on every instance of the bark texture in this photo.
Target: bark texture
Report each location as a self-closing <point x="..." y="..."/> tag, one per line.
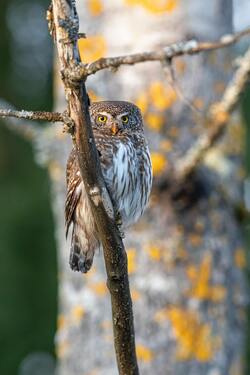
<point x="185" y="256"/>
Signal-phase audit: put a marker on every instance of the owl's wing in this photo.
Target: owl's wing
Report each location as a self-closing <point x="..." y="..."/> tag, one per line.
<point x="74" y="190"/>
<point x="107" y="148"/>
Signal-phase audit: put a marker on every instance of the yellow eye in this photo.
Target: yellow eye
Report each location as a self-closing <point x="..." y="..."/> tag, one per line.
<point x="124" y="119"/>
<point x="102" y="118"/>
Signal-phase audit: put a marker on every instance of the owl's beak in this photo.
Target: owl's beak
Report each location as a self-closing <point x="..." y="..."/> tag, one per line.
<point x="114" y="128"/>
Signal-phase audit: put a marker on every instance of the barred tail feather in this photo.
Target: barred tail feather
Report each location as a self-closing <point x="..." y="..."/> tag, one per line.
<point x="81" y="251"/>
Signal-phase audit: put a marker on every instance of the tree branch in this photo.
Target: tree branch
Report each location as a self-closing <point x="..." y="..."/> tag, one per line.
<point x="33" y="115"/>
<point x="190" y="47"/>
<point x="218" y="117"/>
<point x="66" y="30"/>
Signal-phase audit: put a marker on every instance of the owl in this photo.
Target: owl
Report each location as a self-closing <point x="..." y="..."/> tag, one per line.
<point x="126" y="168"/>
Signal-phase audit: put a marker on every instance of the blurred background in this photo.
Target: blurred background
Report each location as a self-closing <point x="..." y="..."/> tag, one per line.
<point x="28" y="261"/>
<point x="28" y="277"/>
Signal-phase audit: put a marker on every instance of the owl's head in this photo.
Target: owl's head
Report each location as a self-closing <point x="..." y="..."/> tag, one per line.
<point x="116" y="117"/>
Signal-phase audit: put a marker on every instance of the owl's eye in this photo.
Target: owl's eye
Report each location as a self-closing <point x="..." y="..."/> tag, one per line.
<point x="124" y="119"/>
<point x="102" y="119"/>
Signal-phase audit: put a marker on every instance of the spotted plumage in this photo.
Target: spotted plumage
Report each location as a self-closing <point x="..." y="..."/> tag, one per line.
<point x="126" y="168"/>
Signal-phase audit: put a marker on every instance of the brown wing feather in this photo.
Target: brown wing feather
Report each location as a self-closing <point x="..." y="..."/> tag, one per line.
<point x="73" y="194"/>
<point x="106" y="148"/>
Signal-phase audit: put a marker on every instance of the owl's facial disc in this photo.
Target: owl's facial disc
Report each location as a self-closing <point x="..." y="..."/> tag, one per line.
<point x="113" y="122"/>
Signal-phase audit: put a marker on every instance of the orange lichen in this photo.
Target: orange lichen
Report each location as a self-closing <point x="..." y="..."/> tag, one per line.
<point x="142" y="102"/>
<point x="135" y="294"/>
<point x="159" y="162"/>
<point x="62" y="348"/>
<point x="99" y="288"/>
<point x="155" y="121"/>
<point x="156" y="6"/>
<point x="95" y="7"/>
<point x="161" y="315"/>
<point x="240" y="258"/>
<point x="77" y="313"/>
<point x="200" y="281"/>
<point x="162" y="96"/>
<point x="61" y="322"/>
<point x="144" y="353"/>
<point x="194" y="338"/>
<point x="219" y="115"/>
<point x="131" y="254"/>
<point x="92" y="48"/>
<point x="55" y="171"/>
<point x="154" y="253"/>
<point x="93" y="96"/>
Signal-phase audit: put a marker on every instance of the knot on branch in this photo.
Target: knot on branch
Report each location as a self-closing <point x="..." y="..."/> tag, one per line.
<point x="69" y="124"/>
<point x="74" y="75"/>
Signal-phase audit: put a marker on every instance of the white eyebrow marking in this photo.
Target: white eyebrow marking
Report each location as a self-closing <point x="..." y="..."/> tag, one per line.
<point x="122" y="114"/>
<point x="104" y="113"/>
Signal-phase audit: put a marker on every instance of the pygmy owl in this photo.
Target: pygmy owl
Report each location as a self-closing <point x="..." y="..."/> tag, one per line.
<point x="126" y="168"/>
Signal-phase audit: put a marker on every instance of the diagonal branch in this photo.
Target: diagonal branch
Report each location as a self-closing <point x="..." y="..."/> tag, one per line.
<point x="218" y="117"/>
<point x="189" y="47"/>
<point x="66" y="31"/>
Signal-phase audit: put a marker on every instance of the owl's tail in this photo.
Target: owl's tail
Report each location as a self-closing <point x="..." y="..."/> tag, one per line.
<point x="81" y="251"/>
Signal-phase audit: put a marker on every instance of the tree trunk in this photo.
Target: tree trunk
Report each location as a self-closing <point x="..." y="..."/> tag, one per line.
<point x="185" y="255"/>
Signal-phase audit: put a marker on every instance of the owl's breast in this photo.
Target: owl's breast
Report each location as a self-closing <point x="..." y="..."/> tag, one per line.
<point x="129" y="180"/>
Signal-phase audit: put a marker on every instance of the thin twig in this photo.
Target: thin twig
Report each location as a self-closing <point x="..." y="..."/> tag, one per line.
<point x="33" y="115"/>
<point x="66" y="32"/>
<point x="218" y="117"/>
<point x="189" y="47"/>
<point x="27" y="129"/>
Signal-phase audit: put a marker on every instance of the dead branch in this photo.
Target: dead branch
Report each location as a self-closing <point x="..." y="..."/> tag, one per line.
<point x="27" y="129"/>
<point x="66" y="31"/>
<point x="33" y="115"/>
<point x="218" y="116"/>
<point x="189" y="47"/>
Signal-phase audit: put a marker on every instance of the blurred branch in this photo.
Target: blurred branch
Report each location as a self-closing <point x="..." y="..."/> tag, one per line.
<point x="33" y="115"/>
<point x="65" y="20"/>
<point x="218" y="116"/>
<point x="27" y="129"/>
<point x="189" y="47"/>
<point x="38" y="116"/>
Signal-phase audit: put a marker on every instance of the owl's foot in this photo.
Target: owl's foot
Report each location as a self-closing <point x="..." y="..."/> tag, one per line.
<point x="79" y="261"/>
